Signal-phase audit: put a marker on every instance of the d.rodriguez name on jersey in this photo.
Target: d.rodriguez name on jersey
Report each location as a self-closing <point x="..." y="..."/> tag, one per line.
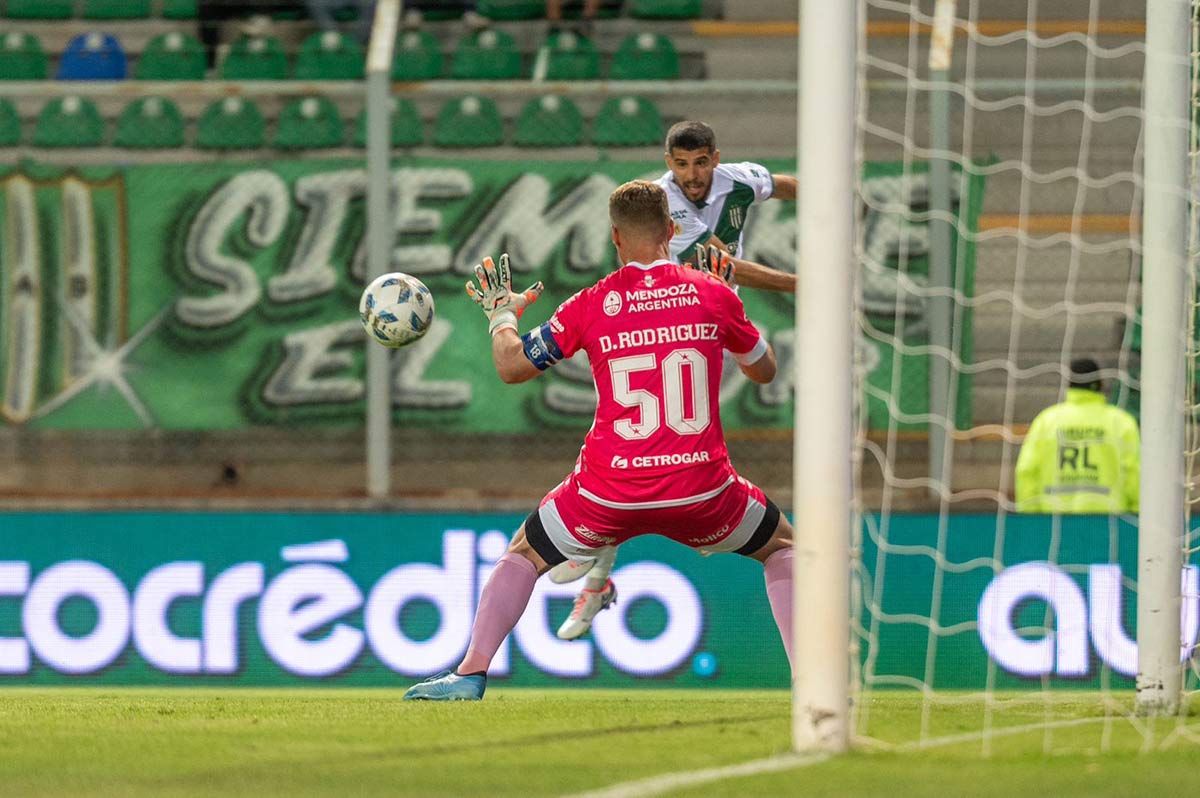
<point x="674" y="334"/>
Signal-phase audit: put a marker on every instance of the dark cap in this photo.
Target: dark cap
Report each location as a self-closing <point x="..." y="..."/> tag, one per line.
<point x="1085" y="373"/>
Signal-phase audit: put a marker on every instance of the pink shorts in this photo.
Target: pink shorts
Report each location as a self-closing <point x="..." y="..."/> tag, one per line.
<point x="568" y="525"/>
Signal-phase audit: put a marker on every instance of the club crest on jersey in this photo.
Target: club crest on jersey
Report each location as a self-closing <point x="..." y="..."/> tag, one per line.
<point x="612" y="303"/>
<point x="649" y="281"/>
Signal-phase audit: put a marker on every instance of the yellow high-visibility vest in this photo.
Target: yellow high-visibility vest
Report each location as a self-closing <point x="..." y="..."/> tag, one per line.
<point x="1080" y="456"/>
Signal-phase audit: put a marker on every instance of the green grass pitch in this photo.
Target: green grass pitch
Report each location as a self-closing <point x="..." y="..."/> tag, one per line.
<point x="348" y="743"/>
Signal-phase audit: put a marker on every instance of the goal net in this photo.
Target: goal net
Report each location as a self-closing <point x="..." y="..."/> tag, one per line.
<point x="1008" y="245"/>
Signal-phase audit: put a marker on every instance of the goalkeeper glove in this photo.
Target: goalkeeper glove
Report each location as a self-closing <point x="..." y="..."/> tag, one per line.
<point x="495" y="295"/>
<point x="715" y="261"/>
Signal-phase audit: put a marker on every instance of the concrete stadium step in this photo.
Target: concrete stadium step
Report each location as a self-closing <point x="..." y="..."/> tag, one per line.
<point x="1019" y="9"/>
<point x="1038" y="296"/>
<point x="1056" y="123"/>
<point x="1094" y="331"/>
<point x="758" y="10"/>
<point x="997" y="261"/>
<point x="1003" y="195"/>
<point x="996" y="405"/>
<point x="1116" y="56"/>
<point x="761" y="10"/>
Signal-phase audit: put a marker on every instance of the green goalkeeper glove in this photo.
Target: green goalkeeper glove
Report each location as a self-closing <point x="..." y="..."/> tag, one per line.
<point x="495" y="295"/>
<point x="715" y="261"/>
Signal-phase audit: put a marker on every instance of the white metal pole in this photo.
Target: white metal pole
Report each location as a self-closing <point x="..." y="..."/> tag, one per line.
<point x="941" y="271"/>
<point x="379" y="237"/>
<point x="824" y="346"/>
<point x="1164" y="285"/>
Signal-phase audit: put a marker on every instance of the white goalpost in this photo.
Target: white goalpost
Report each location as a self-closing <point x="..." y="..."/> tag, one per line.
<point x="1034" y="209"/>
<point x="826" y="266"/>
<point x="1165" y="296"/>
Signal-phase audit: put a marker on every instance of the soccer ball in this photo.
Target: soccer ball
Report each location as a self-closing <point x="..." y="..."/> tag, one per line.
<point x="396" y="309"/>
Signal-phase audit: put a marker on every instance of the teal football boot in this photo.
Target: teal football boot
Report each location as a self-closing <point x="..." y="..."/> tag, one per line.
<point x="449" y="686"/>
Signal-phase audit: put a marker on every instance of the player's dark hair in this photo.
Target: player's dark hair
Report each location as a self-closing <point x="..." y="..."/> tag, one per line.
<point x="639" y="207"/>
<point x="691" y="135"/>
<point x="1085" y="373"/>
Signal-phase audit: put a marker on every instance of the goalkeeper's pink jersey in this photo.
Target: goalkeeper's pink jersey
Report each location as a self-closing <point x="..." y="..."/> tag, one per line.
<point x="655" y="336"/>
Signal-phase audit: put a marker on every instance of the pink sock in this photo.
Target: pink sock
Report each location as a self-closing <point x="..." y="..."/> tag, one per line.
<point x="500" y="606"/>
<point x="778" y="572"/>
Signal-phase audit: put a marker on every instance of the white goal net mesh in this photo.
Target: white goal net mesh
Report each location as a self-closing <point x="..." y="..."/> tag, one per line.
<point x="1008" y="624"/>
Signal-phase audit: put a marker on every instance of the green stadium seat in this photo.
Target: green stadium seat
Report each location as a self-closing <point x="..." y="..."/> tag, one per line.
<point x="10" y="124"/>
<point x="512" y="9"/>
<point x="116" y="9"/>
<point x="407" y="130"/>
<point x="179" y="9"/>
<point x="308" y="124"/>
<point x="418" y="57"/>
<point x="549" y="121"/>
<point x="148" y="124"/>
<point x="645" y="56"/>
<point x="487" y="55"/>
<point x="571" y="57"/>
<point x="69" y="122"/>
<point x="21" y="57"/>
<point x="172" y="56"/>
<point x="627" y="122"/>
<point x="330" y="55"/>
<point x="469" y="122"/>
<point x="40" y="9"/>
<point x="255" y="58"/>
<point x="666" y="9"/>
<point x="231" y="124"/>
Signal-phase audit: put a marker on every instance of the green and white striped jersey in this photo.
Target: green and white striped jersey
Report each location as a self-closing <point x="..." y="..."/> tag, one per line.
<point x="735" y="187"/>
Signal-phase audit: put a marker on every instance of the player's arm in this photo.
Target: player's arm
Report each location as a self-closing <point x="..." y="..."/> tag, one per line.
<point x="494" y="294"/>
<point x="755" y="275"/>
<point x="749" y="274"/>
<point x="786" y="187"/>
<point x="750" y="350"/>
<point x="761" y="370"/>
<point x="508" y="353"/>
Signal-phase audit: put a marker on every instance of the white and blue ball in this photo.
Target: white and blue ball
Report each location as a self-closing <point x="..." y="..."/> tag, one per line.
<point x="396" y="309"/>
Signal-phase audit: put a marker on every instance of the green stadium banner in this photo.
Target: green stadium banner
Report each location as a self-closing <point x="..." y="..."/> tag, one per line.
<point x="220" y="296"/>
<point x="375" y="599"/>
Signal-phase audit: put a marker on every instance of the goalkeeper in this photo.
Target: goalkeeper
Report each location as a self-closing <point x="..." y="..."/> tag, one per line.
<point x="709" y="202"/>
<point x="655" y="459"/>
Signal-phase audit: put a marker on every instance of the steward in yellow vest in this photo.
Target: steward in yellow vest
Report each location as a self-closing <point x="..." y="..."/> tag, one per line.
<point x="1081" y="455"/>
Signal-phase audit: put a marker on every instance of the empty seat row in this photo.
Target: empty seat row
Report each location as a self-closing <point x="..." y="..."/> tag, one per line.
<point x="186" y="9"/>
<point x="235" y="123"/>
<point x="485" y="55"/>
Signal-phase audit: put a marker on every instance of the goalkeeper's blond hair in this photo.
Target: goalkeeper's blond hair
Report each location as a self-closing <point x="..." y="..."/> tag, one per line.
<point x="639" y="209"/>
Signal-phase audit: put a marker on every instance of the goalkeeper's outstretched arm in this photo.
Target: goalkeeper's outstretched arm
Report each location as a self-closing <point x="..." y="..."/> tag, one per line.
<point x="509" y="354"/>
<point x="516" y="358"/>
